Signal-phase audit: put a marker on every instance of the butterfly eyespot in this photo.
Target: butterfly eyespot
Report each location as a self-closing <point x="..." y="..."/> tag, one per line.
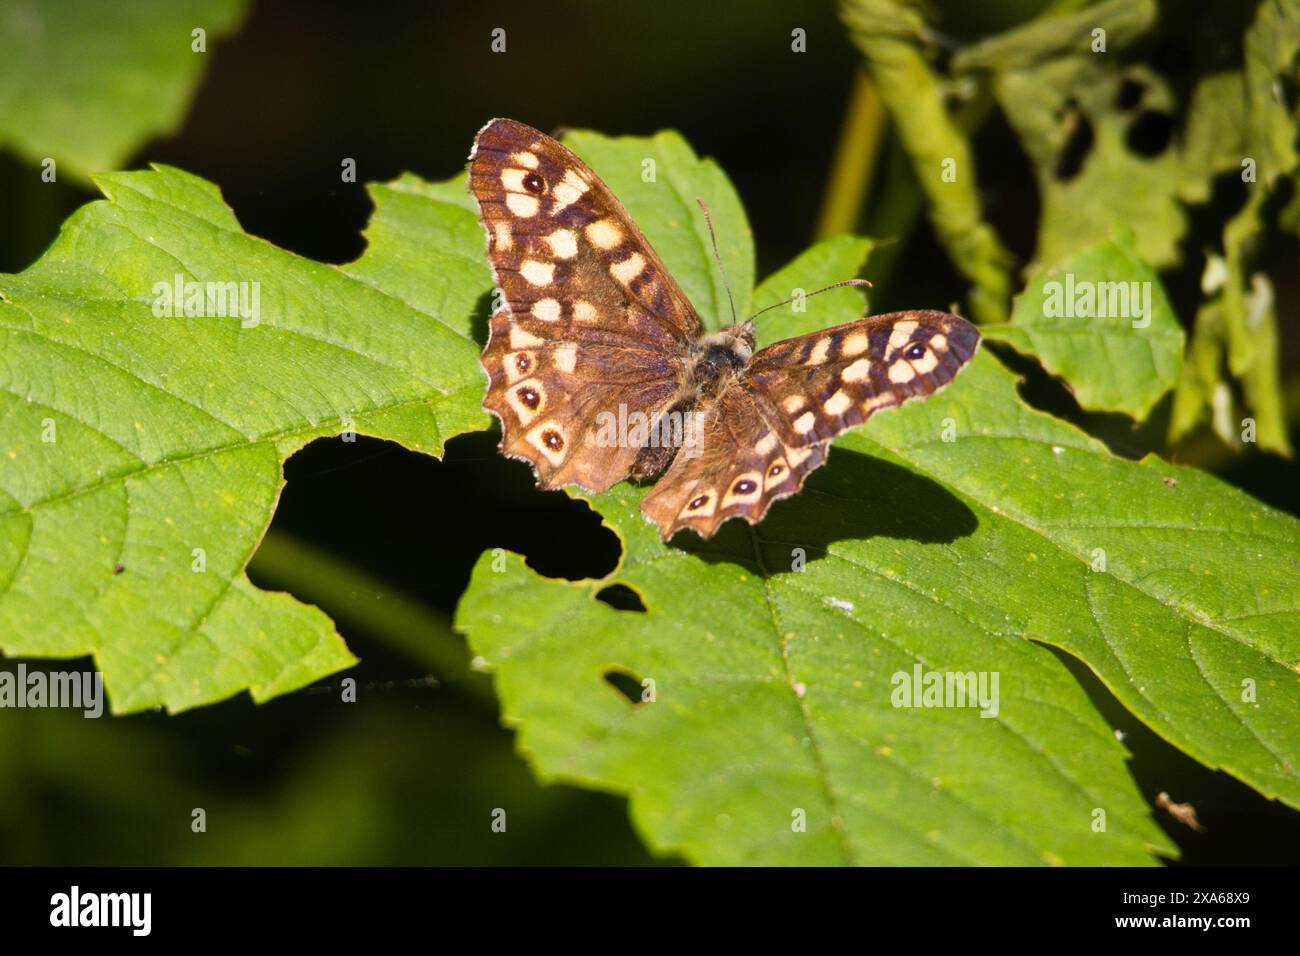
<point x="915" y="351"/>
<point x="698" y="503"/>
<point x="775" y="470"/>
<point x="529" y="397"/>
<point x="553" y="440"/>
<point x="745" y="487"/>
<point x="534" y="183"/>
<point x="523" y="363"/>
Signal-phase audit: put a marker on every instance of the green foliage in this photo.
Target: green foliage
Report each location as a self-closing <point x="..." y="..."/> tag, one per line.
<point x="1113" y="337"/>
<point x="960" y="535"/>
<point x="889" y="35"/>
<point x="957" y="555"/>
<point x="141" y="453"/>
<point x="1114" y="141"/>
<point x="86" y="82"/>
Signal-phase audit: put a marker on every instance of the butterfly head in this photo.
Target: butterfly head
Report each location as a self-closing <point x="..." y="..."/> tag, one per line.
<point x="720" y="356"/>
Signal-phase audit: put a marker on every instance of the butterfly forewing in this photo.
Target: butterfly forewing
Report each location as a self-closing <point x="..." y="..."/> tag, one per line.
<point x="817" y="386"/>
<point x="592" y="321"/>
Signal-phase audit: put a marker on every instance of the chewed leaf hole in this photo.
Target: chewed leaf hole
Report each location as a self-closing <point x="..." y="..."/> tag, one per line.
<point x="1150" y="133"/>
<point x="626" y="683"/>
<point x="1129" y="94"/>
<point x="621" y="597"/>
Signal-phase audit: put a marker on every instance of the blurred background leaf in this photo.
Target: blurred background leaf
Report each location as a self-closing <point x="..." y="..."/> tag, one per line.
<point x="86" y="83"/>
<point x="1119" y="347"/>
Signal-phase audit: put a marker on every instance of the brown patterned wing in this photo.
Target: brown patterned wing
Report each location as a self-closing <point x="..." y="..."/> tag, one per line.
<point x="817" y="386"/>
<point x="774" y="425"/>
<point x="592" y="323"/>
<point x="742" y="467"/>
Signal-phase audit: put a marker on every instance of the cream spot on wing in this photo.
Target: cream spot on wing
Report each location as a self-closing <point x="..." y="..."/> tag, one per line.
<point x="528" y="399"/>
<point x="798" y="456"/>
<point x="857" y="372"/>
<point x="567" y="191"/>
<point x="854" y="343"/>
<point x="901" y="372"/>
<point x="513" y="180"/>
<point x="537" y="273"/>
<point x="792" y="403"/>
<point x="837" y="404"/>
<point x="939" y="343"/>
<point x="766" y="443"/>
<point x="744" y="489"/>
<point x="501" y="236"/>
<point x="521" y="339"/>
<point x="550" y="439"/>
<point x="604" y="234"/>
<point x="804" y="423"/>
<point x="525" y="159"/>
<point x="522" y="205"/>
<point x="566" y="358"/>
<point x="564" y="243"/>
<point x="584" y="311"/>
<point x="902" y="334"/>
<point x="926" y="363"/>
<point x="876" y="401"/>
<point x="629" y="268"/>
<point x="548" y="310"/>
<point x="819" y="351"/>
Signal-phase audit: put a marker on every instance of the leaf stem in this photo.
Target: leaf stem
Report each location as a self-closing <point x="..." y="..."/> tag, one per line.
<point x="855" y="159"/>
<point x="345" y="591"/>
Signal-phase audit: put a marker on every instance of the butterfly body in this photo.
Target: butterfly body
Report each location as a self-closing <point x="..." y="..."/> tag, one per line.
<point x="600" y="369"/>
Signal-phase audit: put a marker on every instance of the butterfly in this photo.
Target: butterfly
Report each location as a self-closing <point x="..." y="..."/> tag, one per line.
<point x="599" y="367"/>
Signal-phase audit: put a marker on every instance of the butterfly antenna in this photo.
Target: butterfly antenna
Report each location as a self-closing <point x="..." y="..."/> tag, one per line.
<point x="708" y="221"/>
<point x="837" y="285"/>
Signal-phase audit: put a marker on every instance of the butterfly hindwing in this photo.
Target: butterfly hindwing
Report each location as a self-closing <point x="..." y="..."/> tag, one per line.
<point x="592" y="321"/>
<point x="742" y="467"/>
<point x="773" y="426"/>
<point x="817" y="386"/>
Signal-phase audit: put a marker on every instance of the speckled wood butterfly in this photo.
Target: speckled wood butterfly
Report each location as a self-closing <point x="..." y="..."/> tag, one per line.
<point x="595" y="333"/>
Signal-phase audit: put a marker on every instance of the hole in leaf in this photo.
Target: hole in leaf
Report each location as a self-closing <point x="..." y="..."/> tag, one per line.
<point x="1078" y="144"/>
<point x="1149" y="133"/>
<point x="621" y="597"/>
<point x="626" y="683"/>
<point x="1129" y="94"/>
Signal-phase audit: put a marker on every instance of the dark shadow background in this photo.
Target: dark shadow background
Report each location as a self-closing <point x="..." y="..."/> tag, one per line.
<point x="411" y="773"/>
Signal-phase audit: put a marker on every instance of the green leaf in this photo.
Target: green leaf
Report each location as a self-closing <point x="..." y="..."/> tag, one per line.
<point x="841" y="256"/>
<point x="1062" y="99"/>
<point x="961" y="555"/>
<point x="1101" y="321"/>
<point x="1240" y="320"/>
<point x="86" y="83"/>
<point x="133" y="440"/>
